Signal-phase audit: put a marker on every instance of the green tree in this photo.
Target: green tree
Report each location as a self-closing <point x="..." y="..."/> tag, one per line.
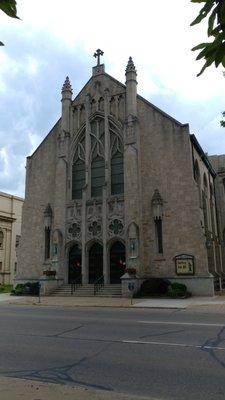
<point x="213" y="51"/>
<point x="9" y="8"/>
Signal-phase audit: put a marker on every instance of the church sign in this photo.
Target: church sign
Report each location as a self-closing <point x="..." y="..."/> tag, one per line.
<point x="184" y="264"/>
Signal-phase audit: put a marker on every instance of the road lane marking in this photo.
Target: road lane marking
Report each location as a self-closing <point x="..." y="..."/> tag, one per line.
<point x="202" y="347"/>
<point x="181" y="323"/>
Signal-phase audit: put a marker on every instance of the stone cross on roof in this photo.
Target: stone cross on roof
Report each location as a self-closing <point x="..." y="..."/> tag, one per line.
<point x="97" y="55"/>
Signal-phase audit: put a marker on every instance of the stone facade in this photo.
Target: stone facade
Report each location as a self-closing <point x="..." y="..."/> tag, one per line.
<point x="218" y="163"/>
<point x="10" y="232"/>
<point x="162" y="207"/>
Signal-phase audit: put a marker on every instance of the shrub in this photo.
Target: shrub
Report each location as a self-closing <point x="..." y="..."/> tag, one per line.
<point x="154" y="287"/>
<point x="28" y="288"/>
<point x="178" y="290"/>
<point x="5" y="288"/>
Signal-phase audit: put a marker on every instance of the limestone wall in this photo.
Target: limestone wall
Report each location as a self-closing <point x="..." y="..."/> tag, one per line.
<point x="40" y="189"/>
<point x="165" y="163"/>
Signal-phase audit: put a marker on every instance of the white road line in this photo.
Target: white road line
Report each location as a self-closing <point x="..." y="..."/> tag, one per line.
<point x="174" y="344"/>
<point x="181" y="323"/>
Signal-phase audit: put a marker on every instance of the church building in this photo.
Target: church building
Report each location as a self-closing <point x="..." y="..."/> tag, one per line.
<point x="119" y="186"/>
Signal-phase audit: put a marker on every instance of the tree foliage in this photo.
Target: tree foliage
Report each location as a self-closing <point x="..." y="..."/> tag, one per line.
<point x="222" y="122"/>
<point x="214" y="51"/>
<point x="9" y="8"/>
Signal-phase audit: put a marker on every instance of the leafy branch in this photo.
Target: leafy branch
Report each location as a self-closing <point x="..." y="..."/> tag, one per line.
<point x="9" y="8"/>
<point x="212" y="52"/>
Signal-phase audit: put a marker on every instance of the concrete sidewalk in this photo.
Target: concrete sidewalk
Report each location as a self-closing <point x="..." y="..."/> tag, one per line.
<point x="20" y="389"/>
<point x="218" y="301"/>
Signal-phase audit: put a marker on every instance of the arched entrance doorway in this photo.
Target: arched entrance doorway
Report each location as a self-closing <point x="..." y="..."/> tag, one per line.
<point x="75" y="265"/>
<point x="95" y="262"/>
<point x="117" y="262"/>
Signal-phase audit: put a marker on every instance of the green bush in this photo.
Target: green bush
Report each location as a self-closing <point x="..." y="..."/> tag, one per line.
<point x="28" y="288"/>
<point x="177" y="291"/>
<point x="178" y="286"/>
<point x="5" y="288"/>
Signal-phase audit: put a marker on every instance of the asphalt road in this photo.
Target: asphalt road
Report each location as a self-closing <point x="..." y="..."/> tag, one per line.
<point x="167" y="354"/>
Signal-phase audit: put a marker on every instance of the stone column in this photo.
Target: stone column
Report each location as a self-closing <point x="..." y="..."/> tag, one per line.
<point x="66" y="105"/>
<point x="87" y="143"/>
<point x="61" y="175"/>
<point x="131" y="171"/>
<point x="107" y="142"/>
<point x="131" y="89"/>
<point x="104" y="236"/>
<point x="84" y="267"/>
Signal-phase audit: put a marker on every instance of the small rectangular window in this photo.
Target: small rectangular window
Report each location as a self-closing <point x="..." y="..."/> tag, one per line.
<point x="17" y="240"/>
<point x="1" y="239"/>
<point x="15" y="267"/>
<point x="47" y="243"/>
<point x="158" y="228"/>
<point x="0" y="265"/>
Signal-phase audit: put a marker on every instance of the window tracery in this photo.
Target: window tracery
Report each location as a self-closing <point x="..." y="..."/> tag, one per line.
<point x="78" y="170"/>
<point x="117" y="169"/>
<point x="97" y="160"/>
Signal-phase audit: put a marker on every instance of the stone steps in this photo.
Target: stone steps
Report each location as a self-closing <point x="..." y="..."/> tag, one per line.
<point x="87" y="290"/>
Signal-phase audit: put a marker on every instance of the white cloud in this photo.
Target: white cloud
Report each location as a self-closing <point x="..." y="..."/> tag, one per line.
<point x="4" y="162"/>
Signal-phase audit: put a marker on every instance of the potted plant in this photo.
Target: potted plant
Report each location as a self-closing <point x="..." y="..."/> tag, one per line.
<point x="130" y="271"/>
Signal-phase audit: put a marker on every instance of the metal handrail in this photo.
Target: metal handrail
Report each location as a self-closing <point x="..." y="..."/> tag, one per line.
<point x="98" y="284"/>
<point x="77" y="283"/>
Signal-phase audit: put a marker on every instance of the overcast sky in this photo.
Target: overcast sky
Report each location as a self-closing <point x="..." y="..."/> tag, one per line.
<point x="56" y="38"/>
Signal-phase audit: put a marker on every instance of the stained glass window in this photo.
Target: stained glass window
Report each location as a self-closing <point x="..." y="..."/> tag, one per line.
<point x="78" y="178"/>
<point x="117" y="179"/>
<point x="97" y="176"/>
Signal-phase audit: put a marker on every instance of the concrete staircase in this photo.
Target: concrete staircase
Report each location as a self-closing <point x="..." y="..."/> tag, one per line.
<point x="110" y="290"/>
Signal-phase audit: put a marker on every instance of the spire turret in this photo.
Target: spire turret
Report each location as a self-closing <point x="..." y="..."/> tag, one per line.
<point x="130" y="65"/>
<point x="66" y="104"/>
<point x="131" y="88"/>
<point x="67" y="86"/>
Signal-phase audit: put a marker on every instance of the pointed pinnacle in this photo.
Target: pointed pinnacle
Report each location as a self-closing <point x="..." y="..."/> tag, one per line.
<point x="67" y="85"/>
<point x="130" y="65"/>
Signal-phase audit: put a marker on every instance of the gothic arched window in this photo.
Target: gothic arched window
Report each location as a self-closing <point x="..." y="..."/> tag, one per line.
<point x="205" y="183"/>
<point x="97" y="157"/>
<point x="97" y="176"/>
<point x="197" y="173"/>
<point x="78" y="170"/>
<point x="117" y="178"/>
<point x="224" y="185"/>
<point x="197" y="178"/>
<point x="78" y="178"/>
<point x="117" y="170"/>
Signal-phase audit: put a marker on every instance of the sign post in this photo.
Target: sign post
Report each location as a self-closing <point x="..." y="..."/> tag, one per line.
<point x="39" y="292"/>
<point x="131" y="287"/>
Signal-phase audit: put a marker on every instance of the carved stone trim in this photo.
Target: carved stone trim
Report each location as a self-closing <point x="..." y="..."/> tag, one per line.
<point x="74" y="230"/>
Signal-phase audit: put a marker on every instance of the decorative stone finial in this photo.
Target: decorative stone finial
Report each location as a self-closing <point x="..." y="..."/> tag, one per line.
<point x="156" y="198"/>
<point x="130" y="65"/>
<point x="157" y="205"/>
<point x="67" y="86"/>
